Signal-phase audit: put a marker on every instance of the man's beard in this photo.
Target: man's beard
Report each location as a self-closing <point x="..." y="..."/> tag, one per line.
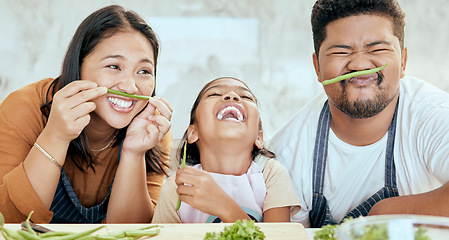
<point x="364" y="108"/>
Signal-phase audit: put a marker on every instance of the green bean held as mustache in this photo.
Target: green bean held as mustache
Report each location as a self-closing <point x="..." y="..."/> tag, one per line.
<point x="128" y="95"/>
<point x="353" y="74"/>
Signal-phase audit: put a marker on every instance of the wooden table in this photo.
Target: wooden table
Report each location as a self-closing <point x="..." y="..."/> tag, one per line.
<point x="283" y="231"/>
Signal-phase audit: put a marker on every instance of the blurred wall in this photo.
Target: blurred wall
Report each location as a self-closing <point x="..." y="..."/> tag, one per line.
<point x="266" y="43"/>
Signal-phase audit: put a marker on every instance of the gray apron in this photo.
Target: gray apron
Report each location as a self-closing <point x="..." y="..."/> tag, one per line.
<point x="67" y="208"/>
<point x="320" y="214"/>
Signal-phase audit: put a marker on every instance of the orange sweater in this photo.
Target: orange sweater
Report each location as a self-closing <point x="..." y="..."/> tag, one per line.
<point x="21" y="123"/>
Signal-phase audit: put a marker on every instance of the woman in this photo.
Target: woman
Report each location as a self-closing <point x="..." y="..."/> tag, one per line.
<point x="62" y="140"/>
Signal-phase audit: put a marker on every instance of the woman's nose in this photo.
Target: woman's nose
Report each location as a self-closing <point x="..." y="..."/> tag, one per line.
<point x="231" y="96"/>
<point x="128" y="84"/>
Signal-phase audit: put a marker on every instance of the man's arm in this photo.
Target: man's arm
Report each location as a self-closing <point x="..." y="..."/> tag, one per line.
<point x="434" y="202"/>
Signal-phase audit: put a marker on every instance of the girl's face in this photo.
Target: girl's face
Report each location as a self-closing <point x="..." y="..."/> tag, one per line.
<point x="227" y="110"/>
<point x="122" y="62"/>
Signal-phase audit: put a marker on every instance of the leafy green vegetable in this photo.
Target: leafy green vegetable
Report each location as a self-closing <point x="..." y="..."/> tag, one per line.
<point x="326" y="233"/>
<point x="240" y="230"/>
<point x="372" y="232"/>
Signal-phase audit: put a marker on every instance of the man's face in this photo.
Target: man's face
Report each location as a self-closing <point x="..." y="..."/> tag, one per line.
<point x="359" y="43"/>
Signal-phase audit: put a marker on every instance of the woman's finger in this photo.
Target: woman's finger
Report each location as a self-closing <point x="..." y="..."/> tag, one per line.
<point x="162" y="106"/>
<point x="162" y="123"/>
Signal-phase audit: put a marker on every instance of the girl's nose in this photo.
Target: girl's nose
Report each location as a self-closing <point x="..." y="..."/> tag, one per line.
<point x="231" y="96"/>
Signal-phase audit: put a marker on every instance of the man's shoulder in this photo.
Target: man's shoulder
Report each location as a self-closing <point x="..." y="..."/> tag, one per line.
<point x="416" y="92"/>
<point x="303" y="122"/>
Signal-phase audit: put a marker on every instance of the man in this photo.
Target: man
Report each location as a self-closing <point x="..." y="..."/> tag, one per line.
<point x="373" y="144"/>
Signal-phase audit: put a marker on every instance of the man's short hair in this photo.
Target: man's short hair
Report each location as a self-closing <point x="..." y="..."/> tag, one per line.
<point x="327" y="11"/>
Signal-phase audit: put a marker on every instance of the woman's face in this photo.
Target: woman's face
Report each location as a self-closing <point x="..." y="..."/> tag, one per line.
<point x="227" y="111"/>
<point x="122" y="62"/>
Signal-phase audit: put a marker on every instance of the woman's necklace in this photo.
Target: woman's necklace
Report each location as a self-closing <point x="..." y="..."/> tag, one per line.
<point x="108" y="145"/>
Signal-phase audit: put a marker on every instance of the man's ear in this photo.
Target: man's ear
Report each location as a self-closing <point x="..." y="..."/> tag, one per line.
<point x="316" y="66"/>
<point x="403" y="61"/>
<point x="192" y="134"/>
<point x="259" y="140"/>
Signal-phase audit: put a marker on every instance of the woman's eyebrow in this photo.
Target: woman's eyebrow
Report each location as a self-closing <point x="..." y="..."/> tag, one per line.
<point x="118" y="56"/>
<point x="113" y="56"/>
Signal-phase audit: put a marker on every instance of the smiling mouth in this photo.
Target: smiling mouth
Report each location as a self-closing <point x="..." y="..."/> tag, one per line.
<point x="366" y="79"/>
<point x="231" y="113"/>
<point x="120" y="103"/>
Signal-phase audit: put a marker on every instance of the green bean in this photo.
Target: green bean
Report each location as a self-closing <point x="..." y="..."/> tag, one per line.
<point x="127" y="94"/>
<point x="27" y="223"/>
<point x="6" y="236"/>
<point x="27" y="235"/>
<point x="136" y="233"/>
<point x="11" y="234"/>
<point x="2" y="220"/>
<point x="353" y="74"/>
<point x="183" y="163"/>
<point x="76" y="235"/>
<point x="54" y="234"/>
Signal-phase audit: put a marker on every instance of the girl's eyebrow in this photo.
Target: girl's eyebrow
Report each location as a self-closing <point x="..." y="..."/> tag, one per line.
<point x="228" y="86"/>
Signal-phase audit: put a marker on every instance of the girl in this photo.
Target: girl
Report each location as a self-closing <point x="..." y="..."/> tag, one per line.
<point x="224" y="183"/>
<point x="62" y="139"/>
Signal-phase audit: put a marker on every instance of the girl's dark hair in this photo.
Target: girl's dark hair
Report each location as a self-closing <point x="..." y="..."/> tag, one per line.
<point x="98" y="26"/>
<point x="327" y="11"/>
<point x="192" y="152"/>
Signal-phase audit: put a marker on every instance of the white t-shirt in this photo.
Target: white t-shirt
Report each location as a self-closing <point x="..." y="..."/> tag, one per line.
<point x="354" y="173"/>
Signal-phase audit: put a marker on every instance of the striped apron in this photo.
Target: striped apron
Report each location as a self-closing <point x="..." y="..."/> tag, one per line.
<point x="67" y="208"/>
<point x="320" y="214"/>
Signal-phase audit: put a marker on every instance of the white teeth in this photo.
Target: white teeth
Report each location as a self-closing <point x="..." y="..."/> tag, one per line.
<point x="230" y="109"/>
<point x="120" y="103"/>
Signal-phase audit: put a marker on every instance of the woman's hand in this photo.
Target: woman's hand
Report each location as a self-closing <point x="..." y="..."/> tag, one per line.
<point x="148" y="128"/>
<point x="70" y="109"/>
<point x="198" y="189"/>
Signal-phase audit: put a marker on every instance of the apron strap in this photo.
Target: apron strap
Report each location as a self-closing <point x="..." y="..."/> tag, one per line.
<point x="320" y="214"/>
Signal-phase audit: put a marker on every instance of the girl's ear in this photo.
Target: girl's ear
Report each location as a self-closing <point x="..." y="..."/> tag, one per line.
<point x="259" y="140"/>
<point x="192" y="135"/>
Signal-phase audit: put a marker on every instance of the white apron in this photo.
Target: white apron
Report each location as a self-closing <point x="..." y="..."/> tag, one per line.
<point x="248" y="190"/>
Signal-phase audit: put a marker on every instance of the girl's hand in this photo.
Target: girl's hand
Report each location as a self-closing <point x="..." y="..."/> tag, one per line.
<point x="70" y="109"/>
<point x="198" y="189"/>
<point x="148" y="128"/>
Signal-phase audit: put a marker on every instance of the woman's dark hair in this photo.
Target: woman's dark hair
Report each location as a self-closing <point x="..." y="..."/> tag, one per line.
<point x="192" y="152"/>
<point x="327" y="11"/>
<point x="98" y="26"/>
